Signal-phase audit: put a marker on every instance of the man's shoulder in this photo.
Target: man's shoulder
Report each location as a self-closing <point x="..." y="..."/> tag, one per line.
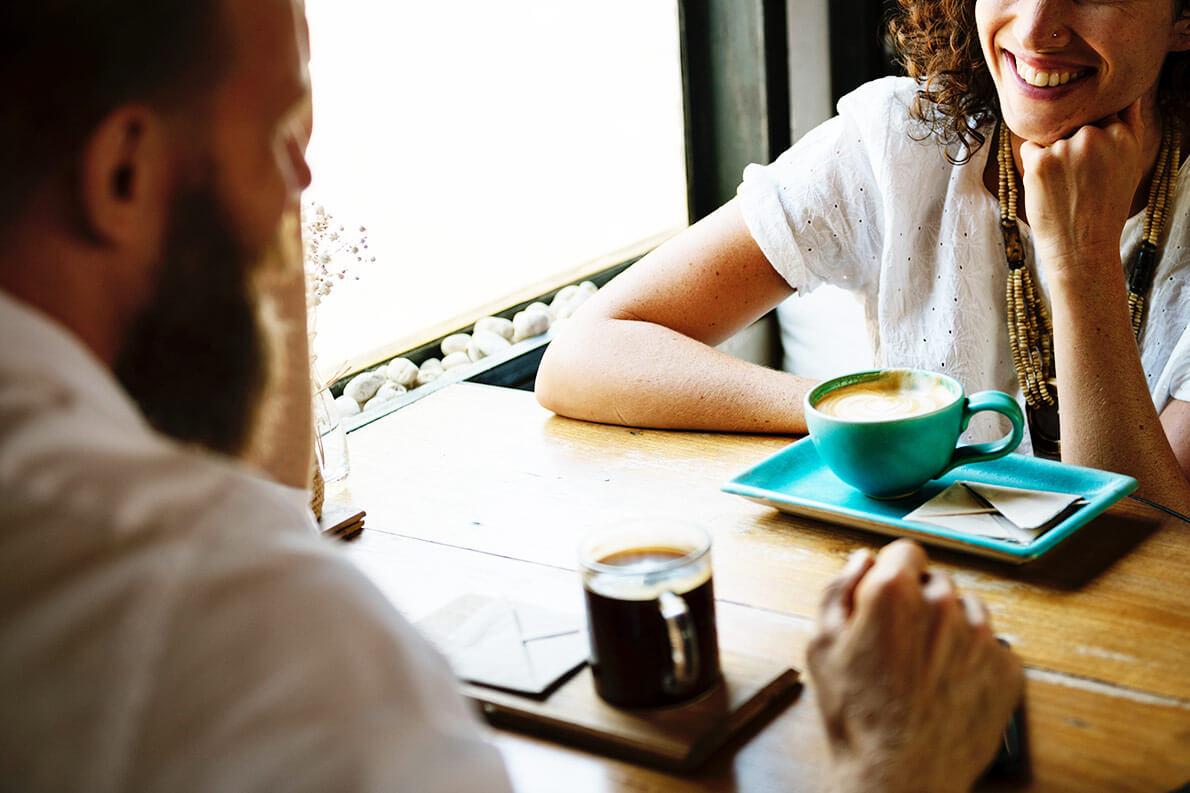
<point x="277" y="637"/>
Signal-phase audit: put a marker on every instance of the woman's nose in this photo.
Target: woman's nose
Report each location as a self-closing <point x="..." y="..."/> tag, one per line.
<point x="1042" y="25"/>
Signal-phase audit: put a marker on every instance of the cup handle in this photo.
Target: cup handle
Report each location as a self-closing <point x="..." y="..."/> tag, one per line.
<point x="682" y="644"/>
<point x="997" y="402"/>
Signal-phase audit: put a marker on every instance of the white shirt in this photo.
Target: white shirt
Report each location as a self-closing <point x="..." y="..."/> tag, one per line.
<point x="860" y="204"/>
<point x="171" y="622"/>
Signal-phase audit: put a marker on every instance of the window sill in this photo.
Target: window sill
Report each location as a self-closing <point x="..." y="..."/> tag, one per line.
<point x="484" y="371"/>
<point x="425" y="343"/>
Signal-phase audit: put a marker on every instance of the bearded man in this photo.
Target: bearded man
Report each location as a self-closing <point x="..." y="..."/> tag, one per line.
<point x="169" y="618"/>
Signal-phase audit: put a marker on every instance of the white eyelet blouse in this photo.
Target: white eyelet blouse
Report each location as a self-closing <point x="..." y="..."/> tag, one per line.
<point x="864" y="203"/>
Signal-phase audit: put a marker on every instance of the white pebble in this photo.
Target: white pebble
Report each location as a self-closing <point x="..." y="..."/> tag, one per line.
<point x="387" y="393"/>
<point x="456" y="342"/>
<point x="347" y="407"/>
<point x="401" y="371"/>
<point x="528" y="324"/>
<point x="390" y="391"/>
<point x="430" y="371"/>
<point x="572" y="302"/>
<point x="364" y="386"/>
<point x="565" y="294"/>
<point x="542" y="307"/>
<point x="588" y="287"/>
<point x="497" y="325"/>
<point x="455" y="359"/>
<point x="486" y="343"/>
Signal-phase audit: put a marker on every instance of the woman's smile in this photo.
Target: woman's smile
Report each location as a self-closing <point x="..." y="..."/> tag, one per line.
<point x="1060" y="66"/>
<point x="1042" y="77"/>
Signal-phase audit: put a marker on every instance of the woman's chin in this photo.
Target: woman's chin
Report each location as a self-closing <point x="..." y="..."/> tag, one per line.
<point x="1041" y="132"/>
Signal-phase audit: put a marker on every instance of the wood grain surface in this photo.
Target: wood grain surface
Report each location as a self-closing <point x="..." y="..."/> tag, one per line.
<point x="478" y="489"/>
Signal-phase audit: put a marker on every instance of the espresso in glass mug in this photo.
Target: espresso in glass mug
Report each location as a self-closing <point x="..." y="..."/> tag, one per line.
<point x="650" y="613"/>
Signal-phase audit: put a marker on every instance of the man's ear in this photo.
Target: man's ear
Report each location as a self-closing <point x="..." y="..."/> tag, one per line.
<point x="124" y="175"/>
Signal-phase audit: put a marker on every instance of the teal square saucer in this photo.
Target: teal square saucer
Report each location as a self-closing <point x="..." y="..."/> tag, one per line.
<point x="795" y="480"/>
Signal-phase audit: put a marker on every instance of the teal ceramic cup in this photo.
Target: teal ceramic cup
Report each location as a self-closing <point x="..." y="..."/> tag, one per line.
<point x="893" y="457"/>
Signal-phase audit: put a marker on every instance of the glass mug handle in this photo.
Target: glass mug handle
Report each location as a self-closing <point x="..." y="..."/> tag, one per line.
<point x="682" y="644"/>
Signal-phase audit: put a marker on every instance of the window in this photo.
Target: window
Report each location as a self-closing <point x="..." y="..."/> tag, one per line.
<point x="490" y="148"/>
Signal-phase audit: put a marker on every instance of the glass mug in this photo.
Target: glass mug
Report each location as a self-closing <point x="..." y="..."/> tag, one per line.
<point x="650" y="612"/>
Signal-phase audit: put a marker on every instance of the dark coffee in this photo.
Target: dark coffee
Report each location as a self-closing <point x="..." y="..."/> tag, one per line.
<point x="632" y="653"/>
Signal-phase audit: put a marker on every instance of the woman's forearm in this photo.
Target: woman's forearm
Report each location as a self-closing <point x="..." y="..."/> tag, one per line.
<point x="652" y="376"/>
<point x="1107" y="415"/>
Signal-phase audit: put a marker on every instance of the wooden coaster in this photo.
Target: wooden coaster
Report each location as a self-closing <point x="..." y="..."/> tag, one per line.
<point x="343" y="522"/>
<point x="679" y="738"/>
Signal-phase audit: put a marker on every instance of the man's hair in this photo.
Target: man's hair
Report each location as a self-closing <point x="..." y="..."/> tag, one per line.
<point x="939" y="45"/>
<point x="66" y="64"/>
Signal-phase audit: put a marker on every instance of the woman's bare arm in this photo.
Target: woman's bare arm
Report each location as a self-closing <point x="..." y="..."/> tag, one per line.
<point x="641" y="351"/>
<point x="1107" y="415"/>
<point x="1079" y="192"/>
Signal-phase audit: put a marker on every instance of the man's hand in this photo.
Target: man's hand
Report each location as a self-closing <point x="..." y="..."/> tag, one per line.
<point x="914" y="689"/>
<point x="1079" y="191"/>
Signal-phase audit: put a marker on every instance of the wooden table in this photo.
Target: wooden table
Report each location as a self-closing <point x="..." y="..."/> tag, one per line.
<point x="478" y="489"/>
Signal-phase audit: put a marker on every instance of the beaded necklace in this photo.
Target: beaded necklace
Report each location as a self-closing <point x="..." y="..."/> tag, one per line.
<point x="1030" y="328"/>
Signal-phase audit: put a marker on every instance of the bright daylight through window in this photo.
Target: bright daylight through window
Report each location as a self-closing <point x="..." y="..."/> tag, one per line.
<point x="487" y="147"/>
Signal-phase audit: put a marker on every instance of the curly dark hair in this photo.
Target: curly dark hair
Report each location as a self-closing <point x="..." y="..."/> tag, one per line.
<point x="938" y="44"/>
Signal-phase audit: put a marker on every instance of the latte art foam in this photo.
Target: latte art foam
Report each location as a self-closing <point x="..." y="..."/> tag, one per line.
<point x="886" y="399"/>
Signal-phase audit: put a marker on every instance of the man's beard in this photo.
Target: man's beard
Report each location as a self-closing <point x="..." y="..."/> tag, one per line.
<point x="195" y="360"/>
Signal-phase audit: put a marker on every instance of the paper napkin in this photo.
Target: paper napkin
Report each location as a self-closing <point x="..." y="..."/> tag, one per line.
<point x="513" y="646"/>
<point x="996" y="512"/>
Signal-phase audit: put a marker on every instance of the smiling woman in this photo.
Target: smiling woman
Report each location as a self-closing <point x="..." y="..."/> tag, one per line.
<point x="901" y="200"/>
<point x="941" y="47"/>
<point x="488" y="148"/>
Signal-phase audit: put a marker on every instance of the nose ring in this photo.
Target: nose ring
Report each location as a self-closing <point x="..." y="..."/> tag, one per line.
<point x="1054" y="34"/>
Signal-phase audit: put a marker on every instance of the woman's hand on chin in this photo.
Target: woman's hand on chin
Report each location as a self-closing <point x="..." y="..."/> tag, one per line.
<point x="1079" y="191"/>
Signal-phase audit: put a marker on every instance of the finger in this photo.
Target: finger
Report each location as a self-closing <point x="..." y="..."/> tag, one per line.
<point x="1005" y="675"/>
<point x="948" y="624"/>
<point x="896" y="575"/>
<point x="1030" y="154"/>
<point x="901" y="555"/>
<point x="1015" y="672"/>
<point x="938" y="587"/>
<point x="838" y="599"/>
<point x="976" y="613"/>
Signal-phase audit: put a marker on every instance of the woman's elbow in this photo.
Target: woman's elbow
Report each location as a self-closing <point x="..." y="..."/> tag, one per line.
<point x="551" y="384"/>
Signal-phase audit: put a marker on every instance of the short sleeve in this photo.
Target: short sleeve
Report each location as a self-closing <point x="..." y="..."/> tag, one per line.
<point x="1177" y="370"/>
<point x="816" y="212"/>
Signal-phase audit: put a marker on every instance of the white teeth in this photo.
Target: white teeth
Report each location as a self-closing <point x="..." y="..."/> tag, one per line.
<point x="1042" y="79"/>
